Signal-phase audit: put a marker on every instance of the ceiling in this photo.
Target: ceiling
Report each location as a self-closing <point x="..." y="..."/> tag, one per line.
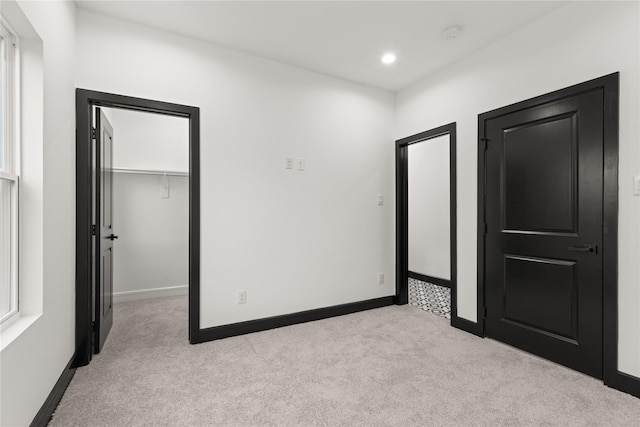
<point x="341" y="38"/>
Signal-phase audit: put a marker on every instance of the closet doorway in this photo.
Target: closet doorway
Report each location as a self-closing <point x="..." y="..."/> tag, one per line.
<point x="426" y="220"/>
<point x="150" y="191"/>
<point x="137" y="211"/>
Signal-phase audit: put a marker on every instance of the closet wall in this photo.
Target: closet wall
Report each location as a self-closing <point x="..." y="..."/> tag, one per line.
<point x="151" y="255"/>
<point x="429" y="213"/>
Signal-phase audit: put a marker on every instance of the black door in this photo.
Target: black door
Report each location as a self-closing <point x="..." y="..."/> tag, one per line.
<point x="544" y="228"/>
<point x="104" y="230"/>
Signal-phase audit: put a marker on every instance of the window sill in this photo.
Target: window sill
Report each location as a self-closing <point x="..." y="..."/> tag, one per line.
<point x="15" y="329"/>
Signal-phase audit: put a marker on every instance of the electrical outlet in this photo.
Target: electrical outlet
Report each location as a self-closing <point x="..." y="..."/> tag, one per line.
<point x="242" y="296"/>
<point x="288" y="163"/>
<point x="380" y="200"/>
<point x="300" y="164"/>
<point x="380" y="278"/>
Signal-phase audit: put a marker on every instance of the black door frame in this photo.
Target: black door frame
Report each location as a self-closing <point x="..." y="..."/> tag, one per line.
<point x="402" y="216"/>
<point x="85" y="101"/>
<point x="610" y="88"/>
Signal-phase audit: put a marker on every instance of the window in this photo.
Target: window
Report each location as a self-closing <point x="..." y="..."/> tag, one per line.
<point x="9" y="173"/>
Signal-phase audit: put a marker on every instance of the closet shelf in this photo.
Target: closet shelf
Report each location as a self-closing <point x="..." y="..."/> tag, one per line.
<point x="149" y="172"/>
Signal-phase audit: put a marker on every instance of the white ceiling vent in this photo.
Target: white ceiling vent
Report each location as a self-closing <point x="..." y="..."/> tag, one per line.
<point x="451" y="32"/>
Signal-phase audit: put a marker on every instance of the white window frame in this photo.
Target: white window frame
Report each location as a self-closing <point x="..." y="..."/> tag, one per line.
<point x="10" y="173"/>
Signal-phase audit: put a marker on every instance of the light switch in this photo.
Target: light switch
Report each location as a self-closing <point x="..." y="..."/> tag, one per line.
<point x="288" y="163"/>
<point x="636" y="185"/>
<point x="380" y="200"/>
<point x="300" y="164"/>
<point x="242" y="296"/>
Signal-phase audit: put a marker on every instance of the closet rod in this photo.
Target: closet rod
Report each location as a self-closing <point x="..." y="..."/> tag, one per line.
<point x="149" y="172"/>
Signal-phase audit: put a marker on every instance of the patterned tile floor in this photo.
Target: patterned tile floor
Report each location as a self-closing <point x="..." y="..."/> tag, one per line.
<point x="429" y="297"/>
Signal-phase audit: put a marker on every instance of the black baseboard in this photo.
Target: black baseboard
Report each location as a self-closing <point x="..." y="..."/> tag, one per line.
<point x="467" y="325"/>
<point x="225" y="331"/>
<point x="626" y="383"/>
<point x="429" y="279"/>
<point x="49" y="406"/>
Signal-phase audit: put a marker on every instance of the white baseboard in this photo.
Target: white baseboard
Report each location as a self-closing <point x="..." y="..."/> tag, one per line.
<point x="150" y="293"/>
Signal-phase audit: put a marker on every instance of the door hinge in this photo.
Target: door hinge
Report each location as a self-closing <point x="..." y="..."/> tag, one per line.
<point x="485" y="312"/>
<point x="93" y="230"/>
<point x="93" y="326"/>
<point x="486" y="228"/>
<point x="485" y="142"/>
<point x="93" y="133"/>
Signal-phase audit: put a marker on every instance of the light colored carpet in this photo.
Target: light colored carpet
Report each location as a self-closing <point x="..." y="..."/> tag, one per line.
<point x="394" y="366"/>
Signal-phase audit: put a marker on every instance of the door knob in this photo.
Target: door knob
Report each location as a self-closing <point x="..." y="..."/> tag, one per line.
<point x="590" y="249"/>
<point x="112" y="237"/>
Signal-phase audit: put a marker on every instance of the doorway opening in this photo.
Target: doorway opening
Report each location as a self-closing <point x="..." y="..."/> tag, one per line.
<point x="150" y="199"/>
<point x="426" y="272"/>
<point x="98" y="172"/>
<point x="149" y="184"/>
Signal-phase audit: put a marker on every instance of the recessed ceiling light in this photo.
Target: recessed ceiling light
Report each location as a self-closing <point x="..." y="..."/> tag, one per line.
<point x="451" y="32"/>
<point x="388" y="58"/>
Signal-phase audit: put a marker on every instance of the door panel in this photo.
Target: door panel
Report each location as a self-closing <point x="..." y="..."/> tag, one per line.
<point x="104" y="231"/>
<point x="539" y="178"/>
<point x="107" y="280"/>
<point x="107" y="176"/>
<point x="544" y="175"/>
<point x="532" y="283"/>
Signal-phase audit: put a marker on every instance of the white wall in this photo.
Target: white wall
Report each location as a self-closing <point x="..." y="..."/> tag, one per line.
<point x="151" y="255"/>
<point x="429" y="207"/>
<point x="32" y="363"/>
<point x="294" y="240"/>
<point x="150" y="141"/>
<point x="578" y="42"/>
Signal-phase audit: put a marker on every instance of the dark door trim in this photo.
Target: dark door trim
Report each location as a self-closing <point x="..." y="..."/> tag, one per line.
<point x="402" y="212"/>
<point x="85" y="100"/>
<point x="610" y="87"/>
